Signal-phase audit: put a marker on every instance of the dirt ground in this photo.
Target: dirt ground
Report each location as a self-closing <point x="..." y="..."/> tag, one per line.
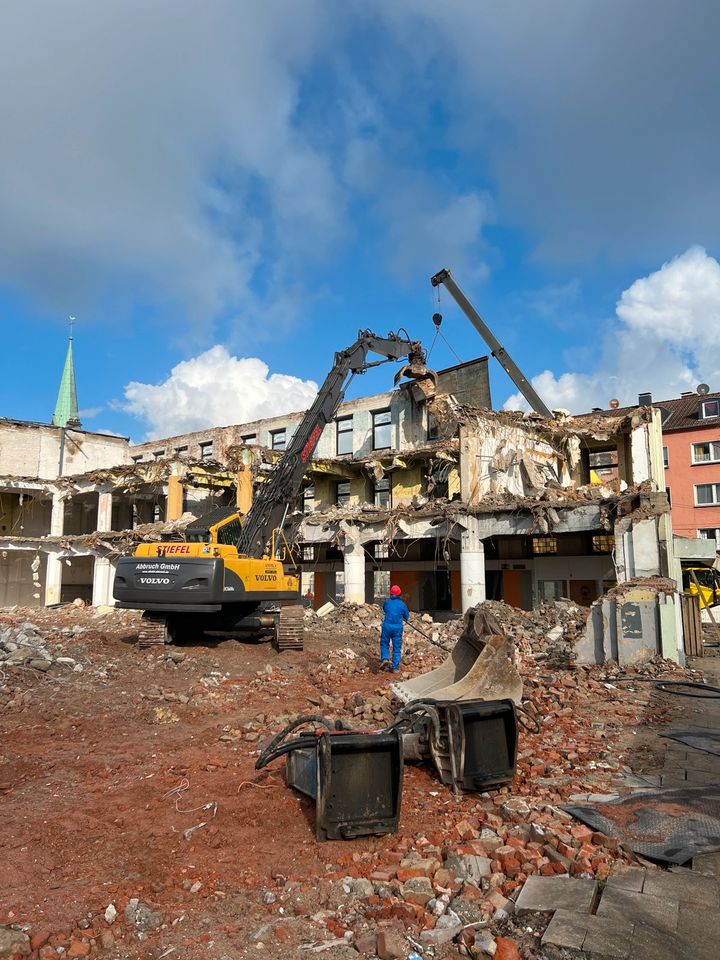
<point x="103" y="768"/>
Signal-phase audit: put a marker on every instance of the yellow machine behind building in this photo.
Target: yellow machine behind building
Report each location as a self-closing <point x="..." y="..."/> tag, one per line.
<point x="703" y="581"/>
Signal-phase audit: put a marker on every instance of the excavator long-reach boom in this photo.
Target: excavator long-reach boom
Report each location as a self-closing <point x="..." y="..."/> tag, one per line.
<point x="271" y="502"/>
<point x="498" y="350"/>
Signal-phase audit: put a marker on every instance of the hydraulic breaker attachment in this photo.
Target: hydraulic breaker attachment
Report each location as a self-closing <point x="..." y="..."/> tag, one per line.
<point x="354" y="777"/>
<point x="473" y="744"/>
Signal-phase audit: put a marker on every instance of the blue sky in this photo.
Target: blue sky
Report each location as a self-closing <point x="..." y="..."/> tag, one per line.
<point x="208" y="185"/>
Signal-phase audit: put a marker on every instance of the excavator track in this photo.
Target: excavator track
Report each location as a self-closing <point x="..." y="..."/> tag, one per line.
<point x="290" y="628"/>
<point x="154" y="630"/>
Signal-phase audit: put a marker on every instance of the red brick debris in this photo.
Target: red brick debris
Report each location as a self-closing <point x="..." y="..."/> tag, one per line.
<point x="111" y="754"/>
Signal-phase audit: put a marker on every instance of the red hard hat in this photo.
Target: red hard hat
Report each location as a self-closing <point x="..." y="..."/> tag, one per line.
<point x="395" y="590"/>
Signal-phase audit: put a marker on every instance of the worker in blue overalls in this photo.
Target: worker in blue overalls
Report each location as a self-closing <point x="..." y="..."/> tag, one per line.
<point x="395" y="614"/>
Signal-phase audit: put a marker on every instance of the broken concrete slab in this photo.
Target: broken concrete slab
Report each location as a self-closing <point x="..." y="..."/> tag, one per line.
<point x="652" y="911"/>
<point x="609" y="937"/>
<point x="566" y="929"/>
<point x="557" y="893"/>
<point x="627" y="878"/>
<point x="684" y="886"/>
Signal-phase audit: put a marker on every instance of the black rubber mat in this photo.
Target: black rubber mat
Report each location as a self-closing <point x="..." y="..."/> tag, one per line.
<point x="671" y="825"/>
<point x="706" y="740"/>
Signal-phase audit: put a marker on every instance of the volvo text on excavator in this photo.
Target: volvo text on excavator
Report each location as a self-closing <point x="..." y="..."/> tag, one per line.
<point x="227" y="576"/>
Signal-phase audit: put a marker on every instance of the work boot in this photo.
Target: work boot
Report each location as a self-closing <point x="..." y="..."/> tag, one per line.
<point x="385" y="665"/>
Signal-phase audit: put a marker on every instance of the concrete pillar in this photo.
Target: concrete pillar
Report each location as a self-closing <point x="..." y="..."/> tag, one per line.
<point x="244" y="491"/>
<point x="354" y="558"/>
<point x="472" y="566"/>
<point x="104" y="518"/>
<point x="103" y="576"/>
<point x="53" y="578"/>
<point x="53" y="568"/>
<point x="174" y="502"/>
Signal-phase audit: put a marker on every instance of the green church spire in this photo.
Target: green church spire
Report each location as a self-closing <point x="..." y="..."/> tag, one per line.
<point x="66" y="407"/>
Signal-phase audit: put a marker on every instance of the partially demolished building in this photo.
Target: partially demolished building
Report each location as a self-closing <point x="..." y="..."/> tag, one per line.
<point x="451" y="500"/>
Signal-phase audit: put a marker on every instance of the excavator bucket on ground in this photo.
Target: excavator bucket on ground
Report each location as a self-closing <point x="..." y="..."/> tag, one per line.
<point x="480" y="667"/>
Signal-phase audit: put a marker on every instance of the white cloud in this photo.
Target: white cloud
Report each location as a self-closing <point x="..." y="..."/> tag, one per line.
<point x="215" y="389"/>
<point x="154" y="148"/>
<point x="666" y="340"/>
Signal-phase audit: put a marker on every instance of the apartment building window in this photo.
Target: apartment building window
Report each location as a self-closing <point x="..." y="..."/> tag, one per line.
<point x="308" y="551"/>
<point x="666" y="458"/>
<point x="710" y="533"/>
<point x="249" y="438"/>
<point x="432" y="427"/>
<point x="710" y="409"/>
<point x="181" y="451"/>
<point x="667" y="494"/>
<point x="382" y="430"/>
<point x="278" y="439"/>
<point x="158" y="454"/>
<point x="381" y="493"/>
<point x="342" y="493"/>
<point x="382" y="551"/>
<point x="544" y="545"/>
<point x="137" y="459"/>
<point x="603" y="543"/>
<point x="707" y="494"/>
<point x="206" y="450"/>
<point x="308" y="500"/>
<point x="344" y="432"/>
<point x="706" y="452"/>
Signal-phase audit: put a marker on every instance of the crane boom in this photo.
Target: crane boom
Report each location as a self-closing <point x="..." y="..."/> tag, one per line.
<point x="497" y="349"/>
<point x="276" y="495"/>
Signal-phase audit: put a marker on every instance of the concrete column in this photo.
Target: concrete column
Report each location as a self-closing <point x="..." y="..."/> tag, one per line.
<point x="174" y="503"/>
<point x="244" y="490"/>
<point x="104" y="518"/>
<point x="103" y="575"/>
<point x="472" y="566"/>
<point x="53" y="568"/>
<point x="53" y="578"/>
<point x="354" y="557"/>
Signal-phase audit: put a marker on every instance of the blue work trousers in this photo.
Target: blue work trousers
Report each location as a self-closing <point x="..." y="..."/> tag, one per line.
<point x="391" y="633"/>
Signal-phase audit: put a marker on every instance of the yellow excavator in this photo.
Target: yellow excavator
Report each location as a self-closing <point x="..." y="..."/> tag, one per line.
<point x="703" y="581"/>
<point x="226" y="577"/>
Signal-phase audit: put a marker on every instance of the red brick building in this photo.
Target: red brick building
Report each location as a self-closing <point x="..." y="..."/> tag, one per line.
<point x="691" y="450"/>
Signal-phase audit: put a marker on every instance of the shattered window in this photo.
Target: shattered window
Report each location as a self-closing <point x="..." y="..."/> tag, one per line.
<point x="343" y="493"/>
<point x="706" y="452"/>
<point x="344" y="435"/>
<point x="181" y="451"/>
<point x="707" y="493"/>
<point x="206" y="450"/>
<point x="710" y="408"/>
<point x="382" y="496"/>
<point x="278" y="439"/>
<point x="544" y="545"/>
<point x="603" y="543"/>
<point x="382" y="430"/>
<point x="309" y="500"/>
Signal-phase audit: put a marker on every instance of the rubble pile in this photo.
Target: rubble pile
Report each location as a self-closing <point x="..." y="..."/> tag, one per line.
<point x="27" y="648"/>
<point x="548" y="633"/>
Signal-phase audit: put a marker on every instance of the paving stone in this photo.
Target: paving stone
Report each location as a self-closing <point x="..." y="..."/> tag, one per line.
<point x="707" y="863"/>
<point x="701" y="776"/>
<point x="566" y="929"/>
<point x="625" y="904"/>
<point x="650" y="943"/>
<point x="684" y="886"/>
<point x="557" y="893"/>
<point x="608" y="937"/>
<point x="627" y="878"/>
